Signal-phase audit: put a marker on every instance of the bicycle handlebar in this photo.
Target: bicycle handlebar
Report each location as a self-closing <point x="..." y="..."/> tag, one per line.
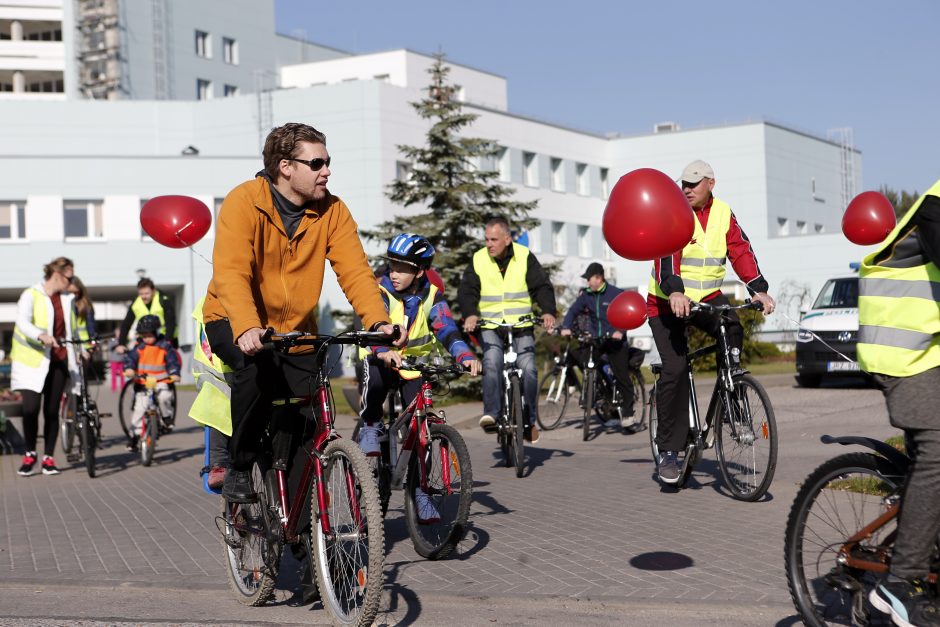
<point x="284" y="341"/>
<point x="431" y="369"/>
<point x="92" y="341"/>
<point x="748" y="304"/>
<point x="489" y="324"/>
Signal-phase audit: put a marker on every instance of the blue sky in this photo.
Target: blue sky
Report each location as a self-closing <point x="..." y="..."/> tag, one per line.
<point x="623" y="66"/>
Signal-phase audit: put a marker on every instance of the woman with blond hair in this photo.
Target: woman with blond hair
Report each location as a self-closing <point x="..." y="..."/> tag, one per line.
<point x="41" y="366"/>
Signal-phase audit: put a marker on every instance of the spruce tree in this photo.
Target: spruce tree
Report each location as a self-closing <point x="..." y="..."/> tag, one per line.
<point x="452" y="189"/>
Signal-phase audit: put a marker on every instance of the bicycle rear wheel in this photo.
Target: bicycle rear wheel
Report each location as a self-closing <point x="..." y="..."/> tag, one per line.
<point x="148" y="438"/>
<point x="589" y="377"/>
<point x="639" y="403"/>
<point x="350" y="556"/>
<point x="747" y="440"/>
<point x="252" y="561"/>
<point x="654" y="425"/>
<point x="516" y="423"/>
<point x="553" y="399"/>
<point x="126" y="406"/>
<point x="89" y="436"/>
<point x="437" y="519"/>
<point x="837" y="500"/>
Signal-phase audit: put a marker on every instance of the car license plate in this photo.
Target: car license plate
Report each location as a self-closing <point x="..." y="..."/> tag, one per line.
<point x="843" y="366"/>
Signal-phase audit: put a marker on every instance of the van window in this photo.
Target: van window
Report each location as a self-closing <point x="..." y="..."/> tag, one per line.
<point x="838" y="293"/>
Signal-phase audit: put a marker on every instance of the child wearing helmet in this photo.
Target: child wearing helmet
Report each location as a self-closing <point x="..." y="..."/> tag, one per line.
<point x="153" y="356"/>
<point x="413" y="302"/>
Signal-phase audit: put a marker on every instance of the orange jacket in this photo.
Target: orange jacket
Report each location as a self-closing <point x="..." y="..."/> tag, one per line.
<point x="262" y="279"/>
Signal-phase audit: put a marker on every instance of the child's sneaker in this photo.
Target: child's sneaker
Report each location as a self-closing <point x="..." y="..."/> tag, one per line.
<point x="132" y="444"/>
<point x="29" y="462"/>
<point x="427" y="513"/>
<point x="48" y="466"/>
<point x="369" y="440"/>
<point x="216" y="478"/>
<point x="908" y="602"/>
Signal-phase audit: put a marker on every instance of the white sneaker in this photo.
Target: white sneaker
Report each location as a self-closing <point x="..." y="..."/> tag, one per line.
<point x="369" y="440"/>
<point x="627" y="421"/>
<point x="487" y="421"/>
<point x="613" y="423"/>
<point x="427" y="513"/>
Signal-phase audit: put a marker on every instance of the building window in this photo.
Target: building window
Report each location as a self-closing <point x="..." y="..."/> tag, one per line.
<point x="535" y="239"/>
<point x="819" y="228"/>
<point x="584" y="241"/>
<point x="530" y="169"/>
<point x="584" y="183"/>
<point x="503" y="163"/>
<point x="83" y="219"/>
<point x="231" y="90"/>
<point x="801" y="227"/>
<point x="12" y="219"/>
<point x="558" y="175"/>
<point x="403" y="171"/>
<point x="203" y="44"/>
<point x="203" y="89"/>
<point x="558" y="238"/>
<point x="605" y="183"/>
<point x="230" y="51"/>
<point x="783" y="226"/>
<point x="608" y="252"/>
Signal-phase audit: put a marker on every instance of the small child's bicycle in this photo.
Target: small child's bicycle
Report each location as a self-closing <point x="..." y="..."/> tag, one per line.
<point x="150" y="425"/>
<point x="432" y="466"/>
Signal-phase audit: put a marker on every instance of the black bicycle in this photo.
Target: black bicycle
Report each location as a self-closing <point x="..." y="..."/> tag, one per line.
<point x="82" y="423"/>
<point x="740" y="419"/>
<point x="597" y="396"/>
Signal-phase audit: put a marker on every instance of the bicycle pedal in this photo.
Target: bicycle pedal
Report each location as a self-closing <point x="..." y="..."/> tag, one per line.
<point x="494" y="428"/>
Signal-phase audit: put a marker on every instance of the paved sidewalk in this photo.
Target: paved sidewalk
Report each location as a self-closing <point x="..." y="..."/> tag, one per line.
<point x="588" y="527"/>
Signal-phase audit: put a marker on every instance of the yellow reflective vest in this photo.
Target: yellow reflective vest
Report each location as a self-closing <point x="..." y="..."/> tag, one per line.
<point x="421" y="340"/>
<point x="504" y="297"/>
<point x="702" y="267"/>
<point x="899" y="304"/>
<point x="213" y="404"/>
<point x="28" y="357"/>
<point x="156" y="309"/>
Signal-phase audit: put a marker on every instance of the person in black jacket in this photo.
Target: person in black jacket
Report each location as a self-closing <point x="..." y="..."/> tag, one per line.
<point x="591" y="307"/>
<point x="150" y="301"/>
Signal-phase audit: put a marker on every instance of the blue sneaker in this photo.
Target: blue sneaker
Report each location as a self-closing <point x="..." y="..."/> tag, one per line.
<point x="908" y="602"/>
<point x="669" y="467"/>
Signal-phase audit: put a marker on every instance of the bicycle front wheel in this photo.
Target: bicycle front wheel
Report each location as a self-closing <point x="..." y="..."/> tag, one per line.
<point x="654" y="425"/>
<point x="126" y="406"/>
<point x="350" y="554"/>
<point x="747" y="439"/>
<point x="89" y="437"/>
<point x="639" y="401"/>
<point x="252" y="561"/>
<point x="436" y="511"/>
<point x="67" y="423"/>
<point x="553" y="399"/>
<point x="516" y="423"/>
<point x="837" y="500"/>
<point x="589" y="376"/>
<point x="148" y="439"/>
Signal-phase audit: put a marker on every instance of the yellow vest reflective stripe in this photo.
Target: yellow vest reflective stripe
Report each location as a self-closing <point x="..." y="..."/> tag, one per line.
<point x="26" y="351"/>
<point x="420" y="337"/>
<point x="702" y="267"/>
<point x="213" y="404"/>
<point x="899" y="307"/>
<point x="503" y="297"/>
<point x="156" y="309"/>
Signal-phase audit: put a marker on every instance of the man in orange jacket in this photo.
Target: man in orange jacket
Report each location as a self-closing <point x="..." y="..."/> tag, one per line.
<point x="273" y="237"/>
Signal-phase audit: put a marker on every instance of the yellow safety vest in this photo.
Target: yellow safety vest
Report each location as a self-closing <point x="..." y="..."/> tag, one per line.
<point x="421" y="340"/>
<point x="899" y="305"/>
<point x="79" y="326"/>
<point x="28" y="352"/>
<point x="702" y="267"/>
<point x="156" y="309"/>
<point x="213" y="404"/>
<point x="503" y="297"/>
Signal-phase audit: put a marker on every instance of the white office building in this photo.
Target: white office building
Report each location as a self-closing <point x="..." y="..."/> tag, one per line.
<point x="80" y="157"/>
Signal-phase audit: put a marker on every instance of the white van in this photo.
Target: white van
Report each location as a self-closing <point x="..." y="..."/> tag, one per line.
<point x="834" y="318"/>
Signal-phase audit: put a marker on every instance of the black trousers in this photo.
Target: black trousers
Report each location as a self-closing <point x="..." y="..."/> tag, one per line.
<point x="257" y="381"/>
<point x="672" y="389"/>
<point x="378" y="380"/>
<point x="50" y="398"/>
<point x="617" y="354"/>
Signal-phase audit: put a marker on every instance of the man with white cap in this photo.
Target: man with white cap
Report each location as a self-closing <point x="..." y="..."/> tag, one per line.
<point x="695" y="273"/>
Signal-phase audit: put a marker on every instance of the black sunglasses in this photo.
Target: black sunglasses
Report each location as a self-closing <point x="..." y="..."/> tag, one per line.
<point x="692" y="185"/>
<point x="315" y="164"/>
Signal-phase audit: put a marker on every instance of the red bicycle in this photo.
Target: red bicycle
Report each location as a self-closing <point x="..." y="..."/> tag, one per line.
<point x="345" y="540"/>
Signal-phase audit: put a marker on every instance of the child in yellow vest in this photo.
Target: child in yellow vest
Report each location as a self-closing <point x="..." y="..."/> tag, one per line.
<point x="413" y="302"/>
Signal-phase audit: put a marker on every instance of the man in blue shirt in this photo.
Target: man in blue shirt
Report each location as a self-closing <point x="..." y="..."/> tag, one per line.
<point x="590" y="312"/>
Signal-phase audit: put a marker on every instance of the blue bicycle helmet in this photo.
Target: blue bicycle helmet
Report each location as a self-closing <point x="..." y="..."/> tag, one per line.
<point x="412" y="249"/>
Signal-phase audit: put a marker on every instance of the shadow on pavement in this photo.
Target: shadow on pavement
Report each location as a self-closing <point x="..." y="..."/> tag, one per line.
<point x="174" y="455"/>
<point x="789" y="621"/>
<point x="399" y="596"/>
<point x="661" y="560"/>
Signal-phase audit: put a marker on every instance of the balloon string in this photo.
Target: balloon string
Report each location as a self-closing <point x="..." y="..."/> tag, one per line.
<point x="201" y="256"/>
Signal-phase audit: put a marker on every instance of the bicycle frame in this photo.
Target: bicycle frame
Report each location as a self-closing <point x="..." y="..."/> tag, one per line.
<point x="417" y="439"/>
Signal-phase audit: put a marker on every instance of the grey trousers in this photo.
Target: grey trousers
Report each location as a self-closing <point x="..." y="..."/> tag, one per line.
<point x="912" y="406"/>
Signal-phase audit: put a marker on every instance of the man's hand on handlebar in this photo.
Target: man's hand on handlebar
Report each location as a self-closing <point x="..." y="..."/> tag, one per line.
<point x="680" y="304"/>
<point x="389" y="329"/>
<point x="470" y="323"/>
<point x="548" y="322"/>
<point x="249" y="342"/>
<point x="764" y="299"/>
<point x="473" y="366"/>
